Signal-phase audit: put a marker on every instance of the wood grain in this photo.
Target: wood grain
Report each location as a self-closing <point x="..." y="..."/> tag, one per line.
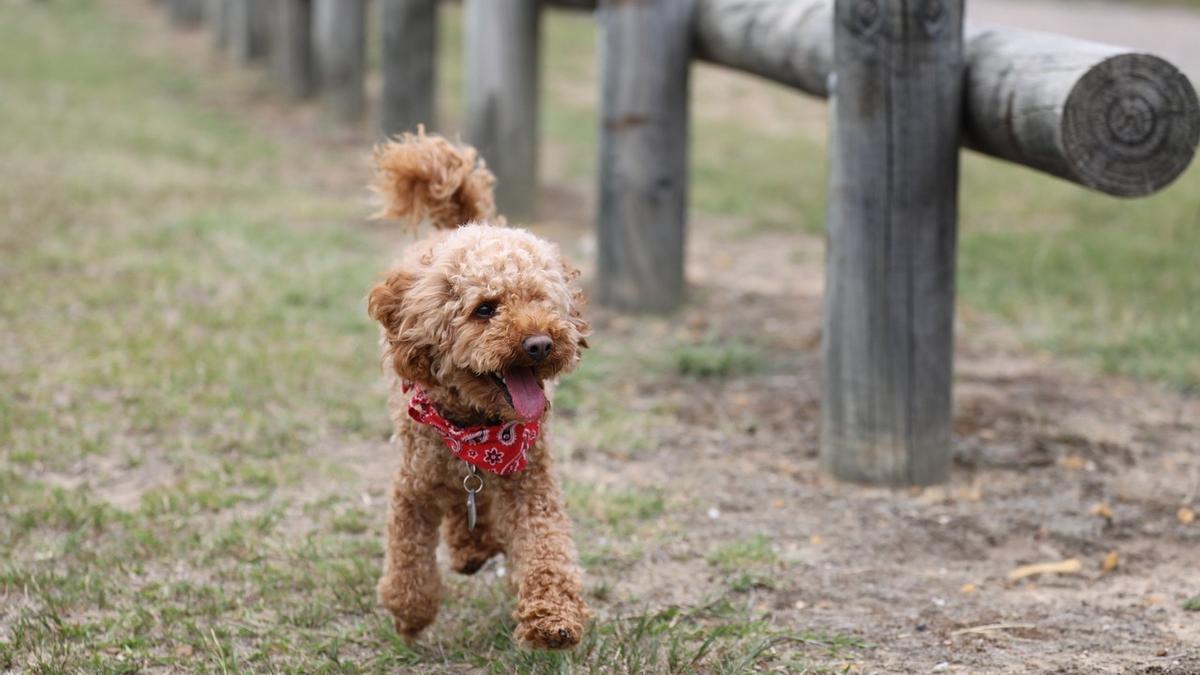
<point x="642" y="213"/>
<point x="888" y="339"/>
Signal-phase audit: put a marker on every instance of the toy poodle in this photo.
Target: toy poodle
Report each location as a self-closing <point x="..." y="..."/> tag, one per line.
<point x="478" y="319"/>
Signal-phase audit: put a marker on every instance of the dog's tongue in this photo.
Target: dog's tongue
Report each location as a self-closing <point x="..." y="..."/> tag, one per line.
<point x="527" y="397"/>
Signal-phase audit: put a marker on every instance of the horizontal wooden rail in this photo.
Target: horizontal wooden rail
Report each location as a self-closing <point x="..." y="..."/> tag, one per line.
<point x="1113" y="119"/>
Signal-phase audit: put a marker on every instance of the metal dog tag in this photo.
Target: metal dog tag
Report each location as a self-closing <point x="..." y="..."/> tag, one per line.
<point x="471" y="511"/>
<point x="472" y="488"/>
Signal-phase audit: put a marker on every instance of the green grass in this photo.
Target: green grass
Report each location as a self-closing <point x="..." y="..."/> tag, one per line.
<point x="742" y="553"/>
<point x="186" y="368"/>
<point x="714" y="359"/>
<point x="184" y="357"/>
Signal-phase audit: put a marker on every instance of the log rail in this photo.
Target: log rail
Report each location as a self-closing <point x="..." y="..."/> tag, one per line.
<point x="1112" y="119"/>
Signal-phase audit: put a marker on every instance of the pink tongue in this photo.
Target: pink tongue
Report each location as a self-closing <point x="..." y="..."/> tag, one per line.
<point x="528" y="398"/>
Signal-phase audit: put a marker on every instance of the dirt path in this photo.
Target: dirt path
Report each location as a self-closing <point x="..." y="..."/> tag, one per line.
<point x="1053" y="462"/>
<point x="1052" y="465"/>
<point x="1170" y="32"/>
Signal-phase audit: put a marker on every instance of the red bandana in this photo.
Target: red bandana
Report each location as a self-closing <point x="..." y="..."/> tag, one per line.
<point x="500" y="448"/>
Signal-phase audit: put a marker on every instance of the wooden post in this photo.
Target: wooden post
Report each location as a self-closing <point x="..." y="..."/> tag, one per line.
<point x="216" y="15"/>
<point x="185" y="13"/>
<point x="291" y="47"/>
<point x="340" y="36"/>
<point x="502" y="43"/>
<point x="248" y="29"/>
<point x="642" y="214"/>
<point x="409" y="65"/>
<point x="888" y="340"/>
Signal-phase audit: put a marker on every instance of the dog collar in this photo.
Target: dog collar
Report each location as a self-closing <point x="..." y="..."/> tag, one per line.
<point x="500" y="448"/>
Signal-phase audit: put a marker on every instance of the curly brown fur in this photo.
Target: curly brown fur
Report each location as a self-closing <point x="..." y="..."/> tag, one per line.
<point x="431" y="336"/>
<point x="420" y="176"/>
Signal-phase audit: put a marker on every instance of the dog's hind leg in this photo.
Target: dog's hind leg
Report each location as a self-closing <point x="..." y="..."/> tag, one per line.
<point x="410" y="587"/>
<point x="469" y="550"/>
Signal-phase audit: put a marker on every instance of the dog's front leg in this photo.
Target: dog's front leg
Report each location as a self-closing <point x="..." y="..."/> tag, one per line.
<point x="410" y="587"/>
<point x="550" y="609"/>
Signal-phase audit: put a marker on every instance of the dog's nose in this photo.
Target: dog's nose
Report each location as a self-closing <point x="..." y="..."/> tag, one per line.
<point x="538" y="346"/>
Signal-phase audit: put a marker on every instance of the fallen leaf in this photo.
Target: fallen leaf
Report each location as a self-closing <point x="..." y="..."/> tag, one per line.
<point x="815" y="540"/>
<point x="778" y="503"/>
<point x="1111" y="561"/>
<point x="1154" y="599"/>
<point x="184" y="650"/>
<point x="968" y="588"/>
<point x="1068" y="566"/>
<point x="1073" y="463"/>
<point x="1186" y="515"/>
<point x="1103" y="510"/>
<point x="973" y="494"/>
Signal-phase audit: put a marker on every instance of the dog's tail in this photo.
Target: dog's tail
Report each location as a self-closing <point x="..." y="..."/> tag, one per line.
<point x="426" y="176"/>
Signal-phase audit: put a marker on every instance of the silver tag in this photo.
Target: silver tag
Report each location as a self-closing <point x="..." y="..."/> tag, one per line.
<point x="470" y="511"/>
<point x="472" y="483"/>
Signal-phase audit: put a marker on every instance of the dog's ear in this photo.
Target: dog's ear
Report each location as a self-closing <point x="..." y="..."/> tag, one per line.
<point x="386" y="304"/>
<point x="578" y="302"/>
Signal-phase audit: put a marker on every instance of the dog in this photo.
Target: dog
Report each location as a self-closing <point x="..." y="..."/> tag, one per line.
<point x="477" y="320"/>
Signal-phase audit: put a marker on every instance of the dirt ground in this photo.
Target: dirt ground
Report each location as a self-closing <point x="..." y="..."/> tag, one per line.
<point x="1052" y="463"/>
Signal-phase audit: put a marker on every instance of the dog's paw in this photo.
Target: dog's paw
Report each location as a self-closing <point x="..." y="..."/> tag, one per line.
<point x="412" y="612"/>
<point x="407" y="631"/>
<point x="550" y="633"/>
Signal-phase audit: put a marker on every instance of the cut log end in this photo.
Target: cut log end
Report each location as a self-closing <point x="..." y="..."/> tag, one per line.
<point x="1131" y="125"/>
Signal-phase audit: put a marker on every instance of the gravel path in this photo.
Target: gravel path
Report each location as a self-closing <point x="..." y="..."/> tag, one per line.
<point x="1170" y="32"/>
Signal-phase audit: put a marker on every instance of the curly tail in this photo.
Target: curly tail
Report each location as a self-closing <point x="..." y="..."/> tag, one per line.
<point x="418" y="176"/>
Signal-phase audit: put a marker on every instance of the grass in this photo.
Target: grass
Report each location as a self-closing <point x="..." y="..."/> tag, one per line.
<point x="712" y="359"/>
<point x="184" y="383"/>
<point x="742" y="553"/>
<point x="184" y="363"/>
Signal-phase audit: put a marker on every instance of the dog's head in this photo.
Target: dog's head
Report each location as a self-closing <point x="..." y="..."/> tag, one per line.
<point x="482" y="317"/>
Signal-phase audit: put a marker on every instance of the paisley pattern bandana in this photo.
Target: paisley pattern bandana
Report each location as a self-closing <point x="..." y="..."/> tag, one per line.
<point x="500" y="449"/>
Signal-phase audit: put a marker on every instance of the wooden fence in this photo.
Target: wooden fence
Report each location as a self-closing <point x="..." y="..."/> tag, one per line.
<point x="909" y="84"/>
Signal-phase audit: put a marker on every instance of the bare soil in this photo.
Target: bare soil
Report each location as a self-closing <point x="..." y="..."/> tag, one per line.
<point x="1043" y="452"/>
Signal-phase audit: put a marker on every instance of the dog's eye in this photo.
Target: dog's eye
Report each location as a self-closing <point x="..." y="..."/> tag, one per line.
<point x="485" y="310"/>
